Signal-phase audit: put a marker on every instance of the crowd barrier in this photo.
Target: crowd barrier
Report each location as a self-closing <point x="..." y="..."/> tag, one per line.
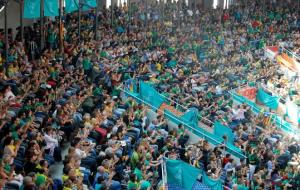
<point x="146" y="94"/>
<point x="183" y="175"/>
<point x="270" y="101"/>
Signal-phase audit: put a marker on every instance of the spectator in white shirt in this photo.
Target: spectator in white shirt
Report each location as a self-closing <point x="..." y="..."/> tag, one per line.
<point x="9" y="95"/>
<point x="239" y="113"/>
<point x="229" y="166"/>
<point x="51" y="142"/>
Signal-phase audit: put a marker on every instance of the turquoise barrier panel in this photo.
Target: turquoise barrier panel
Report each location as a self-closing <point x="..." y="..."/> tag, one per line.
<point x="181" y="174"/>
<point x="172" y="117"/>
<point x="268" y="100"/>
<point x="71" y="6"/>
<point x="214" y="184"/>
<point x="150" y="95"/>
<point x="191" y="115"/>
<point x="51" y="7"/>
<point x="238" y="98"/>
<point x="279" y="121"/>
<point x="221" y="130"/>
<point x="199" y="131"/>
<point x="32" y="8"/>
<point x="234" y="150"/>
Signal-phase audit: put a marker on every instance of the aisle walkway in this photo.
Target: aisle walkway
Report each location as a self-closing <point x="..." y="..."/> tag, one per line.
<point x="56" y="170"/>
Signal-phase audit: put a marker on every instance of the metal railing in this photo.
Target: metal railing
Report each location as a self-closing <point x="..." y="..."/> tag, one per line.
<point x="273" y="116"/>
<point x="290" y="53"/>
<point x="190" y="128"/>
<point x="185" y="108"/>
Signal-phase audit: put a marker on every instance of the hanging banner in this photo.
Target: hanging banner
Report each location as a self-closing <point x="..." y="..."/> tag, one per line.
<point x="181" y="174"/>
<point x="32" y="9"/>
<point x="88" y="4"/>
<point x="150" y="95"/>
<point x="213" y="184"/>
<point x="51" y="8"/>
<point x="71" y="6"/>
<point x="221" y="130"/>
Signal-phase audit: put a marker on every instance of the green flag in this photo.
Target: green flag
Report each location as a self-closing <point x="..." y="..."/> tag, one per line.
<point x="71" y="6"/>
<point x="32" y="9"/>
<point x="51" y="7"/>
<point x="89" y="4"/>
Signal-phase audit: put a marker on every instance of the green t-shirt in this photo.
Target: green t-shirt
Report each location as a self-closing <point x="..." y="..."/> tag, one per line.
<point x="145" y="185"/>
<point x="97" y="91"/>
<point x="103" y="54"/>
<point x="40" y="179"/>
<point x="220" y="102"/>
<point x="242" y="187"/>
<point x="51" y="36"/>
<point x="209" y="95"/>
<point x="54" y="74"/>
<point x="132" y="185"/>
<point x="86" y="64"/>
<point x="134" y="159"/>
<point x="138" y="174"/>
<point x="7" y="168"/>
<point x="253" y="159"/>
<point x="15" y="135"/>
<point x="171" y="50"/>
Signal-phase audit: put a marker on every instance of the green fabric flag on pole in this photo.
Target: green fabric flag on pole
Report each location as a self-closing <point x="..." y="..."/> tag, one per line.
<point x="89" y="4"/>
<point x="71" y="6"/>
<point x="181" y="174"/>
<point x="51" y="8"/>
<point x="32" y="9"/>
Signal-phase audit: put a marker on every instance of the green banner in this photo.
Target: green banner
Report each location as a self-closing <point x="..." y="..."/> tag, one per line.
<point x="51" y="8"/>
<point x="71" y="6"/>
<point x="32" y="9"/>
<point x="88" y="4"/>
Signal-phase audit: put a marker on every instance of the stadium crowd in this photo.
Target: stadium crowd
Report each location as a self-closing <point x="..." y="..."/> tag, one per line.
<point x="51" y="102"/>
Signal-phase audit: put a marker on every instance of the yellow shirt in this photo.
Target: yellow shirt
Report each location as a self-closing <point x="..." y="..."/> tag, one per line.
<point x="158" y="66"/>
<point x="78" y="173"/>
<point x="64" y="178"/>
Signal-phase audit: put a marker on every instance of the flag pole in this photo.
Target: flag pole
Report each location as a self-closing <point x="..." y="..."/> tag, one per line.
<point x="146" y="15"/>
<point x="61" y="40"/>
<point x="96" y="20"/>
<point x="42" y="25"/>
<point x="6" y="31"/>
<point x="111" y="14"/>
<point x="129" y="15"/>
<point x="21" y="20"/>
<point x="79" y="20"/>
